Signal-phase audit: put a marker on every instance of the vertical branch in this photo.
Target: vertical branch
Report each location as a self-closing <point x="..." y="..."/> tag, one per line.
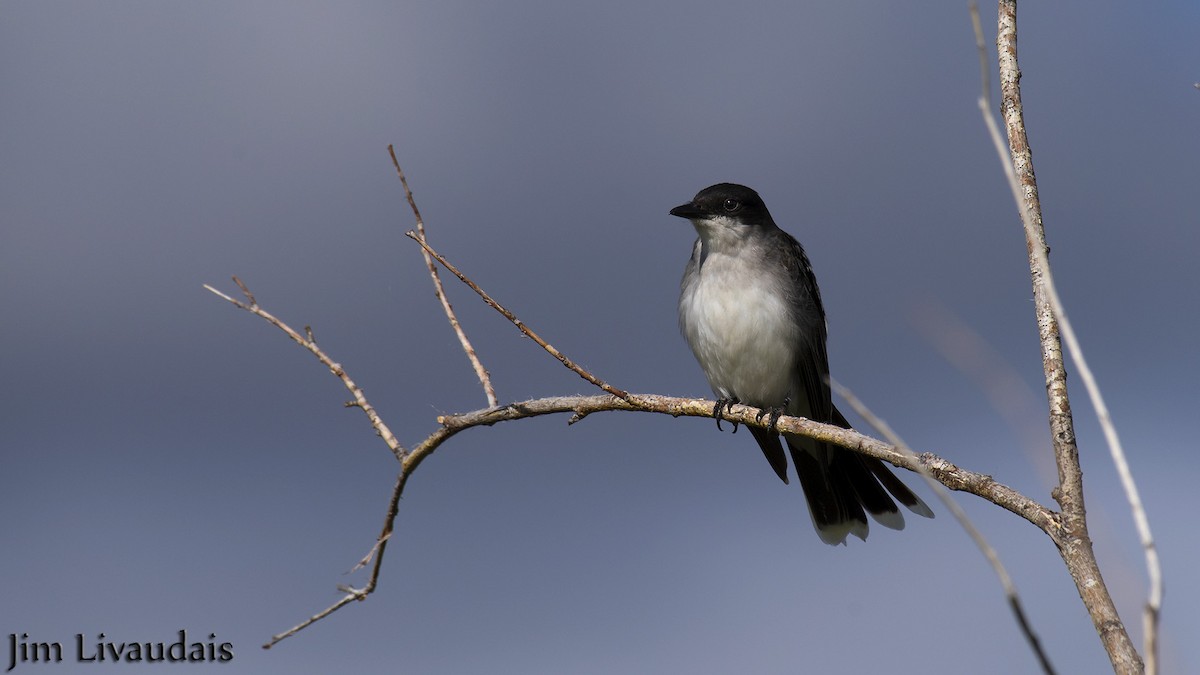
<point x="1076" y="548"/>
<point x="480" y="371"/>
<point x="1062" y="427"/>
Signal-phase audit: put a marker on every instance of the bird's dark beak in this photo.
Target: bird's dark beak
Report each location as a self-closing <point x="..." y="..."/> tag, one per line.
<point x="688" y="211"/>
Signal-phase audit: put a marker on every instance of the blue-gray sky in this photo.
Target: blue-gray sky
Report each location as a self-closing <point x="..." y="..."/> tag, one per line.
<point x="171" y="463"/>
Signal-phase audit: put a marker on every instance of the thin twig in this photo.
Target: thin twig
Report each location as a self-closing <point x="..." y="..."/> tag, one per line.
<point x="350" y="596"/>
<point x="619" y="393"/>
<point x="377" y="551"/>
<point x="1010" y="589"/>
<point x="360" y="399"/>
<point x="366" y="559"/>
<point x="480" y="371"/>
<point x="1052" y="319"/>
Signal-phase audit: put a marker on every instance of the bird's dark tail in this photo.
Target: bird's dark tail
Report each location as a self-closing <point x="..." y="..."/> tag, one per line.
<point x="842" y="487"/>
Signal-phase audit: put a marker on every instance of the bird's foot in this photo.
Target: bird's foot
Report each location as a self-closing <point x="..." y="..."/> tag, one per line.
<point x="772" y="415"/>
<point x="723" y="405"/>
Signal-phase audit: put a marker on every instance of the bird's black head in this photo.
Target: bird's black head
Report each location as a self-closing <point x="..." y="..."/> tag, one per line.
<point x="725" y="200"/>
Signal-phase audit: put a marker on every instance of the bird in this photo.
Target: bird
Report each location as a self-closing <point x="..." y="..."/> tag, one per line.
<point x="750" y="309"/>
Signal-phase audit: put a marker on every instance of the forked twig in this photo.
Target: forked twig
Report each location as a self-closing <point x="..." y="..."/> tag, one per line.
<point x="376" y="552"/>
<point x="360" y="401"/>
<point x="619" y="393"/>
<point x="1010" y="589"/>
<point x="480" y="371"/>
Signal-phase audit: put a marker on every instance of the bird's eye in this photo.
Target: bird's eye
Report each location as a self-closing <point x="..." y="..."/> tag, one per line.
<point x="731" y="205"/>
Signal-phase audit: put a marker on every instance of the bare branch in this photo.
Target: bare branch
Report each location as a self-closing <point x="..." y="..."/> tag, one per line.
<point x="350" y="596"/>
<point x="943" y="471"/>
<point x="579" y="406"/>
<point x="1051" y="317"/>
<point x="1010" y="589"/>
<point x="366" y="559"/>
<point x="376" y="552"/>
<point x="360" y="399"/>
<point x="480" y="371"/>
<point x="245" y="291"/>
<point x="619" y="393"/>
<point x="1024" y="186"/>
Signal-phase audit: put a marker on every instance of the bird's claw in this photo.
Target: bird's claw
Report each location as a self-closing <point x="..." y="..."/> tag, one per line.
<point x="723" y="405"/>
<point x="776" y="413"/>
<point x="772" y="415"/>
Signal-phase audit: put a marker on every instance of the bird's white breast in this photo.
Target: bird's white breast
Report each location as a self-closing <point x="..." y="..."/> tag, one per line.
<point x="739" y="326"/>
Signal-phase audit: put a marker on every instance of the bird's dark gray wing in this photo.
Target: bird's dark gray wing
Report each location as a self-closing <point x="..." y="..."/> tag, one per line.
<point x="812" y="362"/>
<point x="840" y="485"/>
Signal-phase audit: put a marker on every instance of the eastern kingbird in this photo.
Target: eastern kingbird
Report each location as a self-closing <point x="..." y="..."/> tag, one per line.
<point x="751" y="312"/>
